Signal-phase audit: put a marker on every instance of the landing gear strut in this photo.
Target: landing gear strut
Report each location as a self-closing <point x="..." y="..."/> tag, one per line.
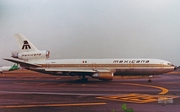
<point x="82" y="79"/>
<point x="149" y="80"/>
<point x="150" y="76"/>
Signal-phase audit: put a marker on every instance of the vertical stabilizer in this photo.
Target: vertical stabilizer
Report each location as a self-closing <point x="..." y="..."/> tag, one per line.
<point x="24" y="43"/>
<point x="28" y="52"/>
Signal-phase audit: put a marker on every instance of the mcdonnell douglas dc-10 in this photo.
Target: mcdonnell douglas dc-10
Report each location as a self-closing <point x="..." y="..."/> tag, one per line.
<point x="31" y="58"/>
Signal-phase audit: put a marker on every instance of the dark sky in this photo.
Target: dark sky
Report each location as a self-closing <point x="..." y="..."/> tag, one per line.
<point x="93" y="28"/>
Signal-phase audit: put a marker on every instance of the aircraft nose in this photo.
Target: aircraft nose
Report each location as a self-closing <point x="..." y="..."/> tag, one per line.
<point x="176" y="67"/>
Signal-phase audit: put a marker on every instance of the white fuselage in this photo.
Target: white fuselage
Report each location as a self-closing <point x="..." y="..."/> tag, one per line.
<point x="116" y="66"/>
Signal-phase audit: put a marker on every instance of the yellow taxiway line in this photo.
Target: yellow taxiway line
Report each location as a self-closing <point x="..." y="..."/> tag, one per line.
<point x="53" y="105"/>
<point x="163" y="90"/>
<point x="140" y="98"/>
<point x="41" y="84"/>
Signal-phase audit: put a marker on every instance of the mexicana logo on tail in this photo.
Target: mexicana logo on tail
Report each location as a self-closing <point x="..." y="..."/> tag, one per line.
<point x="26" y="45"/>
<point x="14" y="67"/>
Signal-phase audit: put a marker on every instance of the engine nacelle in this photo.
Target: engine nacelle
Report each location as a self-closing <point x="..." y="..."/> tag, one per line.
<point x="103" y="75"/>
<point x="31" y="55"/>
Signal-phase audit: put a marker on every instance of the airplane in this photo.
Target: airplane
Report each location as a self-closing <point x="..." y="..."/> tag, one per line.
<point x="29" y="57"/>
<point x="9" y="68"/>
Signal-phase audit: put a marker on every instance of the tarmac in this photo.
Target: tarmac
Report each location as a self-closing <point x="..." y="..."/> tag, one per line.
<point x="26" y="91"/>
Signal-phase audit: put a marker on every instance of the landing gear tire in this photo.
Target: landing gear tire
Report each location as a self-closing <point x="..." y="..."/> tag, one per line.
<point x="83" y="80"/>
<point x="149" y="80"/>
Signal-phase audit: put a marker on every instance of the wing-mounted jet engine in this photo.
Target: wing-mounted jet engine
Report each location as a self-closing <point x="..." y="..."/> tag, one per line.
<point x="106" y="76"/>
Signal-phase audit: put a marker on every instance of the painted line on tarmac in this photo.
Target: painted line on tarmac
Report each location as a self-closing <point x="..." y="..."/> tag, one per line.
<point x="163" y="90"/>
<point x="139" y="98"/>
<point x="50" y="93"/>
<point x="19" y="82"/>
<point x="53" y="105"/>
<point x="41" y="84"/>
<point x="58" y="78"/>
<point x="62" y="84"/>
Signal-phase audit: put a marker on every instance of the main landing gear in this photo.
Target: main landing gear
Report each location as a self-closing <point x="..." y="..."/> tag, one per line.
<point x="82" y="79"/>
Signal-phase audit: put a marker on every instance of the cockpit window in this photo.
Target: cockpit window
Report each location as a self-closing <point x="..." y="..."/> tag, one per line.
<point x="170" y="64"/>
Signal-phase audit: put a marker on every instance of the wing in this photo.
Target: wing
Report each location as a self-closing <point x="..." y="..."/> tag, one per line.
<point x="77" y="70"/>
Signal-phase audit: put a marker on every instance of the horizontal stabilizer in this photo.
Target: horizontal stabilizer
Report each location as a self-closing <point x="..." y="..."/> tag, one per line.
<point x="23" y="64"/>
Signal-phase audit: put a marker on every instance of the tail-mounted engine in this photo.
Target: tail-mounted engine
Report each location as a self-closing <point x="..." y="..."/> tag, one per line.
<point x="31" y="55"/>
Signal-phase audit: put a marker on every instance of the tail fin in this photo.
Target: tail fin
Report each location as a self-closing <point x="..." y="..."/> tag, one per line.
<point x="24" y="43"/>
<point x="14" y="67"/>
<point x="28" y="52"/>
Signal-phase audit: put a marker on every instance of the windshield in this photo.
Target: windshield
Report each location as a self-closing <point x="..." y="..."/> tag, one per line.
<point x="170" y="64"/>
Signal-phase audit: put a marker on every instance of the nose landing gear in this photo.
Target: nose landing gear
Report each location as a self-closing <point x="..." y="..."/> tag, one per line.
<point x="82" y="79"/>
<point x="150" y="76"/>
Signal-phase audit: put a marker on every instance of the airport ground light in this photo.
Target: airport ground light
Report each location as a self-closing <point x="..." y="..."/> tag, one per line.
<point x="124" y="108"/>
